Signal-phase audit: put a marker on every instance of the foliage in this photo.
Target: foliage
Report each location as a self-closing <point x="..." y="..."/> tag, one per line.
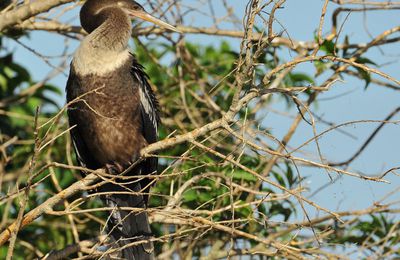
<point x="237" y="189"/>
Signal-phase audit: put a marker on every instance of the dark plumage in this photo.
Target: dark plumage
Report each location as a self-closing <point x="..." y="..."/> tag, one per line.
<point x="114" y="114"/>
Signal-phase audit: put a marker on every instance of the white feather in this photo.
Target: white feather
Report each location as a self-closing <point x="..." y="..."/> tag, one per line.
<point x="148" y="107"/>
<point x="89" y="61"/>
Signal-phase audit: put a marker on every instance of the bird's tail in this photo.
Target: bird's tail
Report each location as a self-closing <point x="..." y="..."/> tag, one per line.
<point x="126" y="226"/>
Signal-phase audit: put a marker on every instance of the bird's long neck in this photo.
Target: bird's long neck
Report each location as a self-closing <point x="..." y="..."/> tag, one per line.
<point x="113" y="33"/>
<point x="106" y="47"/>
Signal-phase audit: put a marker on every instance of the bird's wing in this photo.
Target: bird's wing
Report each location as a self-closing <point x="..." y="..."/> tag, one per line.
<point x="150" y="119"/>
<point x="148" y="104"/>
<point x="81" y="151"/>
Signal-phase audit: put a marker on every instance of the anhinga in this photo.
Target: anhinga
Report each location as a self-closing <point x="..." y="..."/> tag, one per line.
<point x="114" y="114"/>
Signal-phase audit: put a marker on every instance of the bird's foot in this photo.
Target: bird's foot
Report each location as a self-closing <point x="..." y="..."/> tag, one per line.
<point x="114" y="168"/>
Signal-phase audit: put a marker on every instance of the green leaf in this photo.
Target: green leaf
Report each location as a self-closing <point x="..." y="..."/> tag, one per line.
<point x="190" y="195"/>
<point x="320" y="67"/>
<point x="289" y="175"/>
<point x="3" y="83"/>
<point x="279" y="178"/>
<point x="243" y="175"/>
<point x="365" y="75"/>
<point x="364" y="60"/>
<point x="205" y="196"/>
<point x="299" y="79"/>
<point x="346" y="43"/>
<point x="328" y="46"/>
<point x="244" y="211"/>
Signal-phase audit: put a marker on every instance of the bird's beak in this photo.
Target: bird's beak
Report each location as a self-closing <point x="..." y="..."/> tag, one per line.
<point x="147" y="17"/>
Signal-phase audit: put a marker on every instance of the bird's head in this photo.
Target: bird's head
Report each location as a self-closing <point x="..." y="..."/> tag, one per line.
<point x="134" y="10"/>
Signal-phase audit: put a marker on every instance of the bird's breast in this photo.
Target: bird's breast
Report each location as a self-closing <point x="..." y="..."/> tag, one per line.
<point x="108" y="116"/>
<point x="89" y="60"/>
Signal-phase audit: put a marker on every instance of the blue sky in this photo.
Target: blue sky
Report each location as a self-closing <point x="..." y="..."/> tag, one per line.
<point x="301" y="19"/>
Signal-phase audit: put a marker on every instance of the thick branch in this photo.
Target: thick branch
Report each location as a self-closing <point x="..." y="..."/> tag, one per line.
<point x="48" y="205"/>
<point x="27" y="11"/>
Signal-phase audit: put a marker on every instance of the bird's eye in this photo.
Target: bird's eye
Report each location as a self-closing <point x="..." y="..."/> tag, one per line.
<point x="136" y="7"/>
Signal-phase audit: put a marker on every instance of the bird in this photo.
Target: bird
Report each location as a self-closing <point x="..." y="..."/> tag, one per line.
<point x="113" y="113"/>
